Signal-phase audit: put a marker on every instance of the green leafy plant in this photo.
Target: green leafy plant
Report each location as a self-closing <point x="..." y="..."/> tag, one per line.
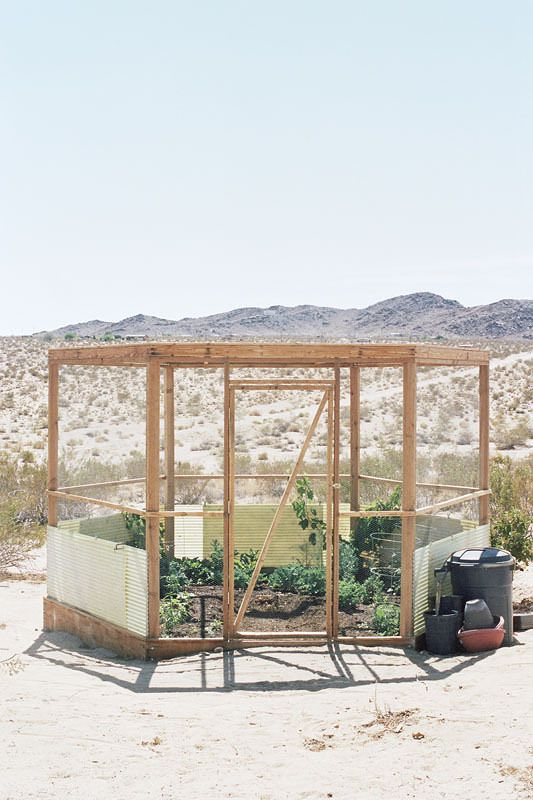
<point x="244" y="565"/>
<point x="307" y="516"/>
<point x="217" y="562"/>
<point x="372" y="590"/>
<point x="350" y="594"/>
<point x="137" y="527"/>
<point x="386" y="620"/>
<point x="214" y="628"/>
<point x="285" y="579"/>
<point x="173" y="611"/>
<point x="313" y="581"/>
<point x="348" y="560"/>
<point x="513" y="531"/>
<point x="298" y="579"/>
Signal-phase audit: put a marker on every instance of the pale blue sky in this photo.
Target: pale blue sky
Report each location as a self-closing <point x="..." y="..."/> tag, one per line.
<point x="184" y="158"/>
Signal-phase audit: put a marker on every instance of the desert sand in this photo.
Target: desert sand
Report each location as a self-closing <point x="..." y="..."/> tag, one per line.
<point x="263" y="724"/>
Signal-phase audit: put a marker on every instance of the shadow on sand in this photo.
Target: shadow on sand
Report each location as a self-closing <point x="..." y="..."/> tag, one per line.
<point x="273" y="669"/>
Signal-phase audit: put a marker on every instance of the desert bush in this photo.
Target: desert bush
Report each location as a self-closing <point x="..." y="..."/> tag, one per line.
<point x="513" y="531"/>
<point x="507" y="436"/>
<point x="23" y="513"/>
<point x="511" y="504"/>
<point x="386" y="620"/>
<point x="511" y="483"/>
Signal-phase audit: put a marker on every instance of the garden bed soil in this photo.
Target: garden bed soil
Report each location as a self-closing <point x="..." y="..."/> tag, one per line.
<point x="270" y="611"/>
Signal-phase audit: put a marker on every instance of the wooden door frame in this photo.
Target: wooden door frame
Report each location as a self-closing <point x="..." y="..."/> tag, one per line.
<point x="328" y="403"/>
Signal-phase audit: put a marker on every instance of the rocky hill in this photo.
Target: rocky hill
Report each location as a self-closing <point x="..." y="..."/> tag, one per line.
<point x="420" y="315"/>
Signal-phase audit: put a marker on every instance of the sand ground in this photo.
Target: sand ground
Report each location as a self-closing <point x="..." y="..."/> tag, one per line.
<point x="266" y="724"/>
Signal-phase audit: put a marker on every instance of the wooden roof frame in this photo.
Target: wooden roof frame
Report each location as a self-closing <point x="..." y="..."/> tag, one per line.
<point x="259" y="354"/>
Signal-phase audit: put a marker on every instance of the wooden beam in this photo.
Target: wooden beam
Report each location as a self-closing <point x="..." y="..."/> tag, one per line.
<point x="79" y="498"/>
<point x="408" y="498"/>
<point x="281" y="635"/>
<point x="454" y="501"/>
<point x="277" y="515"/>
<point x="256" y="476"/>
<point x="336" y="499"/>
<point x="396" y="482"/>
<point x="53" y="440"/>
<point x="169" y="459"/>
<point x="363" y="514"/>
<point x="283" y="387"/>
<point x="102" y="484"/>
<point x="250" y="354"/>
<point x="153" y="401"/>
<point x="273" y="383"/>
<point x="177" y="513"/>
<point x="484" y="440"/>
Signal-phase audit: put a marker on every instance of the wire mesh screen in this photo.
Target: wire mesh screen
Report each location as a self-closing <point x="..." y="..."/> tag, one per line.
<point x="286" y="532"/>
<point x="191" y="571"/>
<point x="102" y="433"/>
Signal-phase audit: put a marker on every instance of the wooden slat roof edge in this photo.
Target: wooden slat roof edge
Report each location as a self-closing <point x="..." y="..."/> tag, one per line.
<point x="268" y="354"/>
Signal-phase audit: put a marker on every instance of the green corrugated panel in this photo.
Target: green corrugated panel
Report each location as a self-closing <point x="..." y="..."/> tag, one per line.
<point x="290" y="543"/>
<point x="111" y="528"/>
<point x="99" y="577"/>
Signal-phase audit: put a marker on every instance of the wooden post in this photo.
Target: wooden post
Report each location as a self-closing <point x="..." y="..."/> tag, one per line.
<point x="53" y="439"/>
<point x="169" y="459"/>
<point x="484" y="436"/>
<point x="228" y="606"/>
<point x="336" y="499"/>
<point x="153" y="399"/>
<point x="355" y="439"/>
<point x="329" y="519"/>
<point x="408" y="497"/>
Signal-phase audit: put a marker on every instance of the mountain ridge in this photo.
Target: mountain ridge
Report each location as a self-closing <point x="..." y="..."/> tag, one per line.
<point x="419" y="314"/>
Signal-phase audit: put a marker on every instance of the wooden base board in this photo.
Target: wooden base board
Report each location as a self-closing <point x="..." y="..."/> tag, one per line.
<point x="91" y="630"/>
<point x="99" y="633"/>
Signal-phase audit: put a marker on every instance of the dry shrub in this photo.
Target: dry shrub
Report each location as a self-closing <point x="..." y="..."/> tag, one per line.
<point x="22" y="510"/>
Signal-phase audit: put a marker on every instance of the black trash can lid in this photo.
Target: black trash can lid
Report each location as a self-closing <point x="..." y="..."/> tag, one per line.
<point x="482" y="557"/>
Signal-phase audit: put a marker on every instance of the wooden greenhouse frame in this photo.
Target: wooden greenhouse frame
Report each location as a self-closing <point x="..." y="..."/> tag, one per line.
<point x="161" y="359"/>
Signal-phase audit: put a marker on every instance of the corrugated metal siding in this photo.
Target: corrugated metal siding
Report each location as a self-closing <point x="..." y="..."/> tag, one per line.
<point x="432" y="555"/>
<point x="189" y="534"/>
<point x="98" y="577"/>
<point x="112" y="527"/>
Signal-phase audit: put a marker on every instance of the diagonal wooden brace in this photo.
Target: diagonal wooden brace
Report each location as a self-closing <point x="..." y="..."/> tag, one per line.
<point x="277" y="516"/>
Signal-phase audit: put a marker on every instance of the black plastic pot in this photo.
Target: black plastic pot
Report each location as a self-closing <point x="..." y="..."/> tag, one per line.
<point x="441" y="633"/>
<point x="453" y="602"/>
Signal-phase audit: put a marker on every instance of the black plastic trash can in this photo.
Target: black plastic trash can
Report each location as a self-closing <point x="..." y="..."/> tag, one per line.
<point x="486" y="573"/>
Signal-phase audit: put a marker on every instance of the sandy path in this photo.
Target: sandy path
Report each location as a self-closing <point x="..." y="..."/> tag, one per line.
<point x="257" y="725"/>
